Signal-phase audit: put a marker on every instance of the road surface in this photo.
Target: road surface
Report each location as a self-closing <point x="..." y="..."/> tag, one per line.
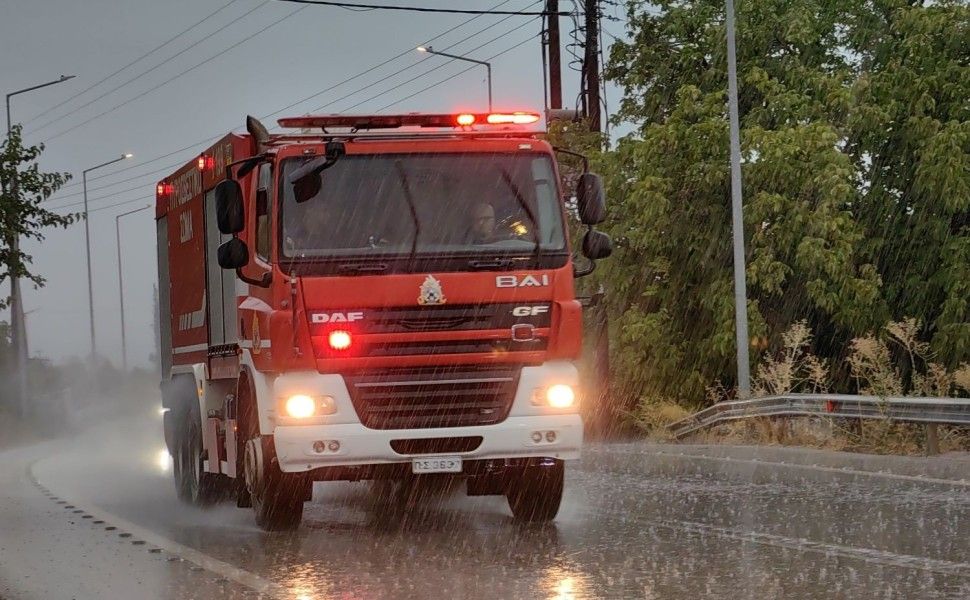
<point x="95" y="516"/>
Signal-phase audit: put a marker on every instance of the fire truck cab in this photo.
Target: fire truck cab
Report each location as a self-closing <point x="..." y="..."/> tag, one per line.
<point x="388" y="299"/>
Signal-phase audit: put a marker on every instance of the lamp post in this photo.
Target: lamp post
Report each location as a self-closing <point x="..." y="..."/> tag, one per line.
<point x="488" y="66"/>
<point x="121" y="285"/>
<point x="18" y="331"/>
<point x="87" y="244"/>
<point x="737" y="220"/>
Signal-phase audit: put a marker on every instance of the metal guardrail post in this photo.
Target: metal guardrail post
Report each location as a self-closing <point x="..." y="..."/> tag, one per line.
<point x="932" y="440"/>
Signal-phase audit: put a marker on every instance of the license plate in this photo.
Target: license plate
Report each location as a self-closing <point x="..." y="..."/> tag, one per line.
<point x="438" y="464"/>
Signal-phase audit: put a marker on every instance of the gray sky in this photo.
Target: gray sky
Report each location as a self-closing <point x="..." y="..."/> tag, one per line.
<point x="311" y="49"/>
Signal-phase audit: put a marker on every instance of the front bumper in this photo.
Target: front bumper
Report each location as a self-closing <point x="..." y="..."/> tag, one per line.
<point x="358" y="445"/>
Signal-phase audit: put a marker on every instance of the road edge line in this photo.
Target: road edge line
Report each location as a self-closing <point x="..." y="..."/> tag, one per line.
<point x="196" y="557"/>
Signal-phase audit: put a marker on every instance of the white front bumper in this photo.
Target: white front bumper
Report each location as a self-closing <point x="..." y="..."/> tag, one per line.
<point x="359" y="445"/>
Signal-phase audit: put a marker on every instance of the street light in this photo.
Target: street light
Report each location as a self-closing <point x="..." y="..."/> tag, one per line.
<point x="737" y="221"/>
<point x="488" y="66"/>
<point x="87" y="244"/>
<point x="121" y="285"/>
<point x="18" y="330"/>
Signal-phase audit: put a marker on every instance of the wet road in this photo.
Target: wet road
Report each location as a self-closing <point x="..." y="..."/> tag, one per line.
<point x="638" y="521"/>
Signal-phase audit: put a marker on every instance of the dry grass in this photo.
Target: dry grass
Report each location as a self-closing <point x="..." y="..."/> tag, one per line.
<point x="655" y="414"/>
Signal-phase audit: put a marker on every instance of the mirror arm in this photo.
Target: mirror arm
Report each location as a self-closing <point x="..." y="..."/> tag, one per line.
<point x="577" y="273"/>
<point x="262" y="282"/>
<point x="582" y="157"/>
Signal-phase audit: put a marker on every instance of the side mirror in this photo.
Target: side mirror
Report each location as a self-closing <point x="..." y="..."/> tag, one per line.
<point x="233" y="254"/>
<point x="597" y="245"/>
<point x="230" y="215"/>
<point x="590" y="199"/>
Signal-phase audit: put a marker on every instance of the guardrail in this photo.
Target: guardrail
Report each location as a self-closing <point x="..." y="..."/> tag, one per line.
<point x="931" y="411"/>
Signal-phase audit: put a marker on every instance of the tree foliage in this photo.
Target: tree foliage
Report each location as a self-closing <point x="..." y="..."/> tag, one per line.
<point x="21" y="214"/>
<point x="856" y="169"/>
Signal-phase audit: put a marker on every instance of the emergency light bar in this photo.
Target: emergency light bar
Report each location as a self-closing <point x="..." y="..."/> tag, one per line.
<point x="358" y="122"/>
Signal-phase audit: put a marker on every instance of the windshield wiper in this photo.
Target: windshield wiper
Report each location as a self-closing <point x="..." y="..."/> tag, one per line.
<point x="528" y="211"/>
<point x="496" y="263"/>
<point x="414" y="211"/>
<point x="362" y="268"/>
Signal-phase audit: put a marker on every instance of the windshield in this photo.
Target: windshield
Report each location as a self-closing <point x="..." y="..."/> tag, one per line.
<point x="433" y="204"/>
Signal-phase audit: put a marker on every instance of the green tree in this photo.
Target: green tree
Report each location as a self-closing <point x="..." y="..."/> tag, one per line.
<point x="21" y="214"/>
<point x="823" y="101"/>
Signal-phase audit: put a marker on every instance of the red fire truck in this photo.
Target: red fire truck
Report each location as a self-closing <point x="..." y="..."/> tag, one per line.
<point x="388" y="299"/>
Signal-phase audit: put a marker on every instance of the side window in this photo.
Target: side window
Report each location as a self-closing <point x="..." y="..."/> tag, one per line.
<point x="263" y="193"/>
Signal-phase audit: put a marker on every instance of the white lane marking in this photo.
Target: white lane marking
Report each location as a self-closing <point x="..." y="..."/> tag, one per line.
<point x="871" y="555"/>
<point x="214" y="565"/>
<point x="785" y="465"/>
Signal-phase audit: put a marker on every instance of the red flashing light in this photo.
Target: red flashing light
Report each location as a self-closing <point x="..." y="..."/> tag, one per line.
<point x="206" y="162"/>
<point x="164" y="190"/>
<point x="339" y="339"/>
<point x="366" y="122"/>
<point x="514" y="118"/>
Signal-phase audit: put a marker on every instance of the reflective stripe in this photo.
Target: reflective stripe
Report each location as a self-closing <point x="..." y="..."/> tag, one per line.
<point x="188" y="349"/>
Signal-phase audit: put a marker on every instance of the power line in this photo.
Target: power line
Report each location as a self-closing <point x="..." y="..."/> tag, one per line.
<point x="169" y="80"/>
<point x="445" y="80"/>
<point x="102" y="197"/>
<point x="215" y="137"/>
<point x="74" y="194"/>
<point x="108" y="185"/>
<point x="441" y="66"/>
<point x="393" y="58"/>
<point x="110" y="206"/>
<point x="150" y="52"/>
<point x="140" y="75"/>
<point x="453" y="11"/>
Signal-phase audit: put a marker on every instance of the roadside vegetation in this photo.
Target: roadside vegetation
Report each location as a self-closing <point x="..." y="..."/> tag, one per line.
<point x="855" y="135"/>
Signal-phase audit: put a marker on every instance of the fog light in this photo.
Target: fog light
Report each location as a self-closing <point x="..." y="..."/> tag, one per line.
<point x="319" y="447"/>
<point x="550" y="436"/>
<point x="560" y="396"/>
<point x="300" y="406"/>
<point x="537" y="436"/>
<point x="334" y="446"/>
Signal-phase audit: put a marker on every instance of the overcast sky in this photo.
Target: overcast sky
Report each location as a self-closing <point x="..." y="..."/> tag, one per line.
<point x="201" y="86"/>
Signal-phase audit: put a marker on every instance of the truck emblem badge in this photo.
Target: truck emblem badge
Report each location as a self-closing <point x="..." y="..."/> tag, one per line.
<point x="257" y="342"/>
<point x="431" y="292"/>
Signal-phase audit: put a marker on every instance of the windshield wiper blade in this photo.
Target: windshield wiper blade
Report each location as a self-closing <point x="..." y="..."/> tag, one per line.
<point x="414" y="211"/>
<point x="528" y="211"/>
<point x="497" y="263"/>
<point x="362" y="267"/>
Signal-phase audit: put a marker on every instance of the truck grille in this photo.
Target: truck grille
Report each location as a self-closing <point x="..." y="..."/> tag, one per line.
<point x="448" y="396"/>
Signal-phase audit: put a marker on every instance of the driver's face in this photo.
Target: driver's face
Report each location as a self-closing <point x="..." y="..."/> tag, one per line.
<point x="483" y="224"/>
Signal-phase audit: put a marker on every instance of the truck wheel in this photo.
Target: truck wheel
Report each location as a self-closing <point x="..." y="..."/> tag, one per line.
<point x="534" y="494"/>
<point x="277" y="498"/>
<point x="193" y="485"/>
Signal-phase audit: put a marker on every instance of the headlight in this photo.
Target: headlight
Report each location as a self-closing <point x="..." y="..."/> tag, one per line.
<point x="302" y="406"/>
<point x="559" y="395"/>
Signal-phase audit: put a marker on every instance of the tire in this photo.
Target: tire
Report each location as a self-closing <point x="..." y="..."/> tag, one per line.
<point x="192" y="484"/>
<point x="535" y="493"/>
<point x="276" y="497"/>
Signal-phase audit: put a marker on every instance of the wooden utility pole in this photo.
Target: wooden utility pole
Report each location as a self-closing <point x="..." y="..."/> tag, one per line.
<point x="591" y="68"/>
<point x="552" y="48"/>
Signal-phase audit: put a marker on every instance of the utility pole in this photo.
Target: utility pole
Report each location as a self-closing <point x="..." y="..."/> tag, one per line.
<point x="552" y="48"/>
<point x="737" y="219"/>
<point x="87" y="245"/>
<point x="18" y="323"/>
<point x="591" y="69"/>
<point x="121" y="285"/>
